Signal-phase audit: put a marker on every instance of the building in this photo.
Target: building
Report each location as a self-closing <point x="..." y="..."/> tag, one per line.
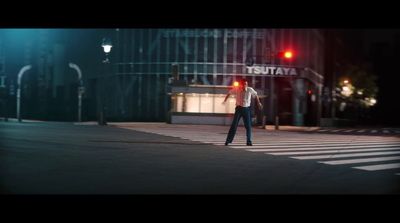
<point x="342" y="48"/>
<point x="140" y="85"/>
<point x="141" y="81"/>
<point x="45" y="88"/>
<point x="3" y="84"/>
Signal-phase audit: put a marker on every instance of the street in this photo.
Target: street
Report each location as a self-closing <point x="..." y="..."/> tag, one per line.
<point x="159" y="158"/>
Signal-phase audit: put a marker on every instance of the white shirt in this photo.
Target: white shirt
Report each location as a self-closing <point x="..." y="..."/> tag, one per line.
<point x="243" y="98"/>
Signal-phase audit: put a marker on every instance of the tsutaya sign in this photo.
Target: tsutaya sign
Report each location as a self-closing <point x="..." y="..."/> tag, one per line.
<point x="272" y="71"/>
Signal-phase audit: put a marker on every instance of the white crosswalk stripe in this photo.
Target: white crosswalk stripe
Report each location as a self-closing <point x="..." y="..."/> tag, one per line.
<point x="369" y="131"/>
<point x="372" y="152"/>
<point x="379" y="167"/>
<point x="377" y="153"/>
<point x="334" y="156"/>
<point x="366" y="160"/>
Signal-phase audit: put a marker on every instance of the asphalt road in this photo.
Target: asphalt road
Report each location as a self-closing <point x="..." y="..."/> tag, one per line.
<point x="64" y="158"/>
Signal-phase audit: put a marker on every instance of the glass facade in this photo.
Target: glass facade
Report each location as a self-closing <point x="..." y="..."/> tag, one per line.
<point x="140" y="75"/>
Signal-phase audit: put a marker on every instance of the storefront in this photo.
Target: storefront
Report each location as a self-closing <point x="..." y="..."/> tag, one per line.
<point x="203" y="104"/>
<point x="208" y="62"/>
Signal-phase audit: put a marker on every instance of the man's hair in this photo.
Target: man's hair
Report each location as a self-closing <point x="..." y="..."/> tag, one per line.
<point x="242" y="81"/>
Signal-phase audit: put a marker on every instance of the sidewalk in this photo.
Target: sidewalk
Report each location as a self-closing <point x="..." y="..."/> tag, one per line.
<point x="166" y="125"/>
<point x="358" y="130"/>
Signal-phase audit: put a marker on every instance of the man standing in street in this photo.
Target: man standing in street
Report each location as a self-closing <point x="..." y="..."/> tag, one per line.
<point x="243" y="99"/>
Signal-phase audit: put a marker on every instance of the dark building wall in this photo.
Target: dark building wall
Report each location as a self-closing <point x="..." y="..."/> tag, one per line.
<point x="135" y="81"/>
<point x="205" y="57"/>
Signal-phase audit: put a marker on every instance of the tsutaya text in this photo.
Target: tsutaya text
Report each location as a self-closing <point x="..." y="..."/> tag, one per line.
<point x="281" y="71"/>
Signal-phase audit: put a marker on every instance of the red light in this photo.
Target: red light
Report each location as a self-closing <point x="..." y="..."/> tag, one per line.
<point x="286" y="54"/>
<point x="309" y="91"/>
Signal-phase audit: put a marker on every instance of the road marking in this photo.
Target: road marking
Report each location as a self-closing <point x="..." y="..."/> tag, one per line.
<point x="320" y="148"/>
<point x="239" y="144"/>
<point x="337" y="130"/>
<point x="333" y="156"/>
<point x="332" y="151"/>
<point x="263" y="148"/>
<point x="344" y="149"/>
<point x="379" y="167"/>
<point x="366" y="160"/>
<point x="338" y="143"/>
<point x="373" y="131"/>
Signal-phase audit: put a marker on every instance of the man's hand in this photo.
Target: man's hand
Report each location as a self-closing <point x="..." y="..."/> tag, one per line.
<point x="226" y="97"/>
<point x="260" y="106"/>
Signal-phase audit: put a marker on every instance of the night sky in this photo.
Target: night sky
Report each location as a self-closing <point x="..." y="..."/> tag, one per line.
<point x="380" y="35"/>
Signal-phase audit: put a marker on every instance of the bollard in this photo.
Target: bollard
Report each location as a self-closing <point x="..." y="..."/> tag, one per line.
<point x="101" y="118"/>
<point x="263" y="121"/>
<point x="276" y="123"/>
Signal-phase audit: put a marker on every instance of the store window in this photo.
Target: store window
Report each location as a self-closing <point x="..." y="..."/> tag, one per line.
<point x="204" y="103"/>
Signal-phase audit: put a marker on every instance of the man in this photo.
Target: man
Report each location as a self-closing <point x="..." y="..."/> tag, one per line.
<point x="243" y="99"/>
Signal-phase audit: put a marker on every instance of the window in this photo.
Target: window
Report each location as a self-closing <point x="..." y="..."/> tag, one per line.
<point x="204" y="103"/>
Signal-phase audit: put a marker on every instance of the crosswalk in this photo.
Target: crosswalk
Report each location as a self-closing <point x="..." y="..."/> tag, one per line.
<point x="357" y="131"/>
<point x="367" y="153"/>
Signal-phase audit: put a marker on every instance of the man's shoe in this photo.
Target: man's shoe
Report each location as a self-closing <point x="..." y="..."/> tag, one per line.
<point x="226" y="143"/>
<point x="249" y="144"/>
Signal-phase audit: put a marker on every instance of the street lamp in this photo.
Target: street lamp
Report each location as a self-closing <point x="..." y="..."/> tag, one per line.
<point x="21" y="72"/>
<point x="81" y="89"/>
<point x="107" y="44"/>
<point x="347" y="88"/>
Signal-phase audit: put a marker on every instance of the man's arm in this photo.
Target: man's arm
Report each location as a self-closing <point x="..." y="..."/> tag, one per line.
<point x="227" y="96"/>
<point x="260" y="106"/>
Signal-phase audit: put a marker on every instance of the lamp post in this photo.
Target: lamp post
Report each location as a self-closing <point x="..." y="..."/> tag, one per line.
<point x="81" y="88"/>
<point x="107" y="44"/>
<point x="346" y="88"/>
<point x="21" y="72"/>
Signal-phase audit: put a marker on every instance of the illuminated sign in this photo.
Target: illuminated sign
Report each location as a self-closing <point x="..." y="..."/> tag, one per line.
<point x="213" y="33"/>
<point x="273" y="71"/>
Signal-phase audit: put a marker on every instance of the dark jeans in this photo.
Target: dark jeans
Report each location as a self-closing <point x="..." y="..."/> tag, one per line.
<point x="240" y="112"/>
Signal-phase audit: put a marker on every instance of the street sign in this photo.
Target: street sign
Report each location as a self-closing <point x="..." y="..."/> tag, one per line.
<point x="2" y="81"/>
<point x="326" y="90"/>
<point x="81" y="90"/>
<point x="325" y="96"/>
<point x="12" y="90"/>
